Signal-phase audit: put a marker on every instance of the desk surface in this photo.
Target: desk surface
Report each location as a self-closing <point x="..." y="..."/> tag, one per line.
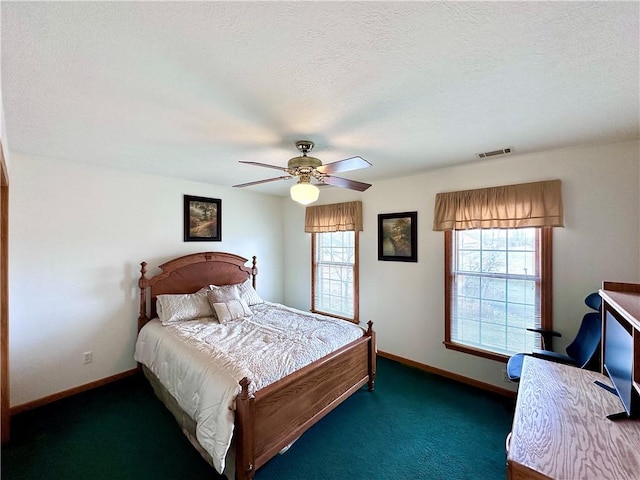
<point x="560" y="429"/>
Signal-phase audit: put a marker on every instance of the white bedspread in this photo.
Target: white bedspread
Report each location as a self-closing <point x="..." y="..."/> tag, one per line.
<point x="201" y="362"/>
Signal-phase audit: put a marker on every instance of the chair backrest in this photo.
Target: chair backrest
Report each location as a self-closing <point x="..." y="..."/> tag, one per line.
<point x="587" y="341"/>
<point x="594" y="300"/>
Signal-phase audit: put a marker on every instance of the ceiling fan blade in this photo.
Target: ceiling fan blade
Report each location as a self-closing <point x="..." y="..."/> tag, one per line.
<point x="284" y="177"/>
<point x="345" y="165"/>
<point x="344" y="183"/>
<point x="258" y="164"/>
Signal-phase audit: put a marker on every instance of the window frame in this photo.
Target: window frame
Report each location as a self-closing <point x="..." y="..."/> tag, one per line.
<point x="356" y="280"/>
<point x="545" y="288"/>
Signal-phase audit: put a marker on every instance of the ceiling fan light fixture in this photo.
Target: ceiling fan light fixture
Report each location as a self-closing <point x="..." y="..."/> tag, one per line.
<point x="306" y="168"/>
<point x="304" y="192"/>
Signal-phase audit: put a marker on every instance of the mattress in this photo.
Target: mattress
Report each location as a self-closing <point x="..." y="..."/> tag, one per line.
<point x="200" y="363"/>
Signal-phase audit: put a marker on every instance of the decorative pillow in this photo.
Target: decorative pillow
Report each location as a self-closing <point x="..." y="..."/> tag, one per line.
<point x="248" y="293"/>
<point x="231" y="310"/>
<point x="175" y="308"/>
<point x="223" y="293"/>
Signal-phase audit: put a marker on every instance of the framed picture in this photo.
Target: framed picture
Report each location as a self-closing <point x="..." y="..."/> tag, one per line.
<point x="202" y="219"/>
<point x="398" y="237"/>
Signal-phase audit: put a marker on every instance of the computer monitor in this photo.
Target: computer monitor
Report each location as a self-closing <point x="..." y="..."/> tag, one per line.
<point x="618" y="362"/>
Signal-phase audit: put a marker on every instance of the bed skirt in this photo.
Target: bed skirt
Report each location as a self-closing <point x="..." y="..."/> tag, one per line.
<point x="188" y="424"/>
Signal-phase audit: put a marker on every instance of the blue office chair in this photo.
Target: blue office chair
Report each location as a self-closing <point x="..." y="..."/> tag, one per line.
<point x="583" y="352"/>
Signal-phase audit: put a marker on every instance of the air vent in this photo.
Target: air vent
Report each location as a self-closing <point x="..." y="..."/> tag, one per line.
<point x="502" y="151"/>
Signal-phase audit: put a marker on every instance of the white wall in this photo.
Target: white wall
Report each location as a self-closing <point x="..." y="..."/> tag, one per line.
<point x="3" y="134"/>
<point x="77" y="236"/>
<point x="600" y="241"/>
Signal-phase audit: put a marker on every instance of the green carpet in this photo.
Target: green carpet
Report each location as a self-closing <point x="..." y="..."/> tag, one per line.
<point x="413" y="426"/>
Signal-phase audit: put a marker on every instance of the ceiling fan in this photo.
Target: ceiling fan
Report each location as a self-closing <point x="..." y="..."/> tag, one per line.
<point x="306" y="168"/>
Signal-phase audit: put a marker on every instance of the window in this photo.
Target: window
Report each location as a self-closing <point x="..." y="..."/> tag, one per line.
<point x="335" y="274"/>
<point x="498" y="284"/>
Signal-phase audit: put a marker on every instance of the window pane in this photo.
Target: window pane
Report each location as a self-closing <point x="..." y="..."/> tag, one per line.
<point x="469" y="260"/>
<point x="469" y="239"/>
<point x="522" y="239"/>
<point x="494" y="289"/>
<point x="494" y="239"/>
<point x="468" y="286"/>
<point x="495" y="294"/>
<point x="334" y="280"/>
<point x="492" y="312"/>
<point x="521" y="291"/>
<point x="494" y="335"/>
<point x="522" y="263"/>
<point x="494" y="261"/>
<point x="470" y="332"/>
<point x="325" y="254"/>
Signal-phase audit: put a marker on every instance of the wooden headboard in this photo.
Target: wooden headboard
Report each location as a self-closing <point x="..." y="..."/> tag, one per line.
<point x="188" y="274"/>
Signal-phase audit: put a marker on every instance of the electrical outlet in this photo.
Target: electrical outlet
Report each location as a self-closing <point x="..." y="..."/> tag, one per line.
<point x="88" y="357"/>
<point x="505" y="376"/>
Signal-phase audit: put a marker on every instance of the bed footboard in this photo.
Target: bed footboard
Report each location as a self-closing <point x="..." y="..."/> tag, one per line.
<point x="277" y="415"/>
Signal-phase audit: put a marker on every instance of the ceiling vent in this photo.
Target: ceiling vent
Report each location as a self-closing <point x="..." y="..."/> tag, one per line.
<point x="494" y="153"/>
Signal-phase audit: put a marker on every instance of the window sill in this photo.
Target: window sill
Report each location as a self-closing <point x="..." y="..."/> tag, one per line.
<point x="498" y="357"/>
<point x="333" y="315"/>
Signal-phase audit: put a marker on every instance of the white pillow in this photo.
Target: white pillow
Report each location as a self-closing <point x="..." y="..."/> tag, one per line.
<point x="231" y="310"/>
<point x="248" y="293"/>
<point x="221" y="294"/>
<point x="189" y="306"/>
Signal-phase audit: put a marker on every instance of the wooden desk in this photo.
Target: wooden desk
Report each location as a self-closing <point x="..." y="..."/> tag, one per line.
<point x="561" y="431"/>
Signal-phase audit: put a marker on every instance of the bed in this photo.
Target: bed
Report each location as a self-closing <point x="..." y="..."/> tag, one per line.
<point x="265" y="421"/>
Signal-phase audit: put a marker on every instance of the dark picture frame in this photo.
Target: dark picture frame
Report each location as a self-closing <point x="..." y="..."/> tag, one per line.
<point x="398" y="237"/>
<point x="202" y="219"/>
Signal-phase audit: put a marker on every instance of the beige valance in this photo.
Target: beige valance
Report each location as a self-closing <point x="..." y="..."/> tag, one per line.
<point x="337" y="217"/>
<point x="534" y="204"/>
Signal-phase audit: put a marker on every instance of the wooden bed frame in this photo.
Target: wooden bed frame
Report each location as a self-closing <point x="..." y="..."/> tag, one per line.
<point x="278" y="414"/>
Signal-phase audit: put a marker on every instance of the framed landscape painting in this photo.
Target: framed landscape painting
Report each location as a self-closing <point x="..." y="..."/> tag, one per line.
<point x="398" y="237"/>
<point x="202" y="219"/>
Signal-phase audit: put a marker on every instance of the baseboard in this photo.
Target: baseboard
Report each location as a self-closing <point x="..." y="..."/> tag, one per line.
<point x="129" y="373"/>
<point x="453" y="376"/>
<point x="72" y="391"/>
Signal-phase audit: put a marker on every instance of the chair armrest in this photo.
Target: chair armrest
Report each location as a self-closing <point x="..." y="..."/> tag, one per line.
<point x="547" y="337"/>
<point x="542" y="331"/>
<point x="554" y="357"/>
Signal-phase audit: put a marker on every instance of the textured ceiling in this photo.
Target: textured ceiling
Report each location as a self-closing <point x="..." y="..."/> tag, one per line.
<point x="189" y="89"/>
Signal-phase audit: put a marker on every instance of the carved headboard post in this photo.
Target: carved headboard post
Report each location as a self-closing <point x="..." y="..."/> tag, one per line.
<point x="142" y="285"/>
<point x="254" y="271"/>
